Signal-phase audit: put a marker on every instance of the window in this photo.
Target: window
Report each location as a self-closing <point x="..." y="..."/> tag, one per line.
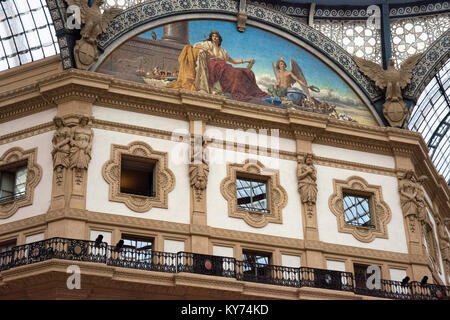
<point x="255" y="265"/>
<point x="353" y="202"/>
<point x="13" y="179"/>
<point x="8" y="245"/>
<point x="252" y="194"/>
<point x="137" y="248"/>
<point x="360" y="275"/>
<point x="137" y="176"/>
<point x="357" y="210"/>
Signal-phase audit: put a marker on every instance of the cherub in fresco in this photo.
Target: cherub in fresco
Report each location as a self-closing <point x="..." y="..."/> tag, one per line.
<point x="286" y="78"/>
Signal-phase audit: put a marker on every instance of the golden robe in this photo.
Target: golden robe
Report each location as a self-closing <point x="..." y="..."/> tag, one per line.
<point x="186" y="75"/>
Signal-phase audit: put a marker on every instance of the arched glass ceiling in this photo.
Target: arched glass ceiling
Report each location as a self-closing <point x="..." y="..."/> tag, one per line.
<point x="26" y="32"/>
<point x="431" y="117"/>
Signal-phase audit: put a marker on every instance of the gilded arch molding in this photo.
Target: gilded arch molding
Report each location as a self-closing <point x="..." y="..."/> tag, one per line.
<point x="34" y="175"/>
<point x="381" y="213"/>
<point x="165" y="179"/>
<point x="148" y="12"/>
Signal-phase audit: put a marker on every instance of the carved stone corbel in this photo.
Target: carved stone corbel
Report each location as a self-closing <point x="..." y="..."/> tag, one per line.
<point x="242" y="16"/>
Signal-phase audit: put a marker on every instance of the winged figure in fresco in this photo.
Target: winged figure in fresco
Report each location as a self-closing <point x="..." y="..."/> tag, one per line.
<point x="394" y="81"/>
<point x="286" y="78"/>
<point x="93" y="23"/>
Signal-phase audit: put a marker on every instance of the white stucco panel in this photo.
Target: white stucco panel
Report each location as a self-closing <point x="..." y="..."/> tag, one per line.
<point x="328" y="230"/>
<point x="290" y="261"/>
<point x="353" y="156"/>
<point x="173" y="246"/>
<point x="34" y="238"/>
<point x="27" y="122"/>
<point x="397" y="274"/>
<point x="261" y="138"/>
<point x="139" y="119"/>
<point x="98" y="189"/>
<point x="42" y="192"/>
<point x="223" y="251"/>
<point x="217" y="206"/>
<point x="335" y="265"/>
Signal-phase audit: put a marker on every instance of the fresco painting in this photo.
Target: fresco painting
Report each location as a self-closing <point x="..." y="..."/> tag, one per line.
<point x="255" y="66"/>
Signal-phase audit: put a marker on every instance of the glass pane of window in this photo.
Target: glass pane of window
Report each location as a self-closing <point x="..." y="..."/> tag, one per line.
<point x="357" y="210"/>
<point x="21" y="180"/>
<point x="255" y="265"/>
<point x="252" y="195"/>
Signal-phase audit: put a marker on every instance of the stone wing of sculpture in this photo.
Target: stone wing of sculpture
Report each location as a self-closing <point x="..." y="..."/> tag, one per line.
<point x="297" y="71"/>
<point x="373" y="71"/>
<point x="83" y="5"/>
<point x="107" y="17"/>
<point x="406" y="69"/>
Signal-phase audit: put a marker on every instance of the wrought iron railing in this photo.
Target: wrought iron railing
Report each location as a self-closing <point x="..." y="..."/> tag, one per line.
<point x="411" y="291"/>
<point x="91" y="251"/>
<point x="206" y="264"/>
<point x="326" y="279"/>
<point x="270" y="274"/>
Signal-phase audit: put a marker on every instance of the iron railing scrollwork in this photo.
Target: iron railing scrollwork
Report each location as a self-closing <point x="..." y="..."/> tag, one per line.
<point x="147" y="259"/>
<point x="206" y="264"/>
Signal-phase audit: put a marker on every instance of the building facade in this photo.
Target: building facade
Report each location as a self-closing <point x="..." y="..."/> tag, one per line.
<point x="119" y="161"/>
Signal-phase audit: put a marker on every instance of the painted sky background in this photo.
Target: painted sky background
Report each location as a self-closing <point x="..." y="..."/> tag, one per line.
<point x="266" y="48"/>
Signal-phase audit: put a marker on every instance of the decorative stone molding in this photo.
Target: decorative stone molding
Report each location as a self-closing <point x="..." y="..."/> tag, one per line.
<point x="276" y="195"/>
<point x="380" y="211"/>
<point x="412" y="199"/>
<point x="34" y="175"/>
<point x="432" y="246"/>
<point x="165" y="179"/>
<point x="444" y="245"/>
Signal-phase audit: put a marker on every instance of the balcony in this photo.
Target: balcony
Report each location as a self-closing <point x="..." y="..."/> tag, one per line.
<point x="148" y="260"/>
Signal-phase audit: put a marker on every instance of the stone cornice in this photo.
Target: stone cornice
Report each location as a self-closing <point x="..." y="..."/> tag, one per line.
<point x="107" y="91"/>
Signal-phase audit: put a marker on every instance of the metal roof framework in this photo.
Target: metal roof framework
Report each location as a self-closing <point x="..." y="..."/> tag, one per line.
<point x="26" y="32"/>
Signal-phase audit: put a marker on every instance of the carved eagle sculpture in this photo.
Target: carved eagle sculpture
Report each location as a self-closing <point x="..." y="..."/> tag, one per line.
<point x="95" y="23"/>
<point x="394" y="81"/>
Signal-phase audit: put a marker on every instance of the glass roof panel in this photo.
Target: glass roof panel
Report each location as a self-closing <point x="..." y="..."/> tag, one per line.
<point x="431" y="117"/>
<point x="26" y="32"/>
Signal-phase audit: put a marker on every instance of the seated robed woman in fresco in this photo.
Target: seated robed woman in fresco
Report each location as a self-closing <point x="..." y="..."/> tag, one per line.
<point x="204" y="67"/>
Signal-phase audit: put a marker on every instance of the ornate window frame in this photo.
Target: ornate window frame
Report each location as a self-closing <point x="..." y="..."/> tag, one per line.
<point x="276" y="195"/>
<point x="380" y="212"/>
<point x="164" y="181"/>
<point x="34" y="175"/>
